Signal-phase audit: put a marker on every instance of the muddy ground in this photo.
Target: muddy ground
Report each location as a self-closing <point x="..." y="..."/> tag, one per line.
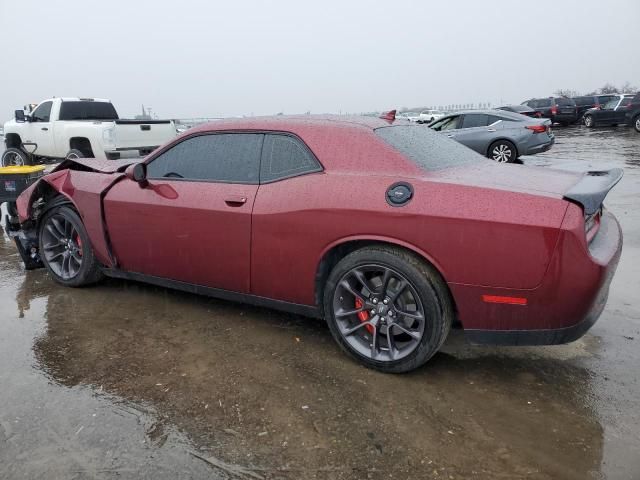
<point x="124" y="380"/>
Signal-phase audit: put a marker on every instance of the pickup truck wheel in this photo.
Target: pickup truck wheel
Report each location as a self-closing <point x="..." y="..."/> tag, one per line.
<point x="74" y="153"/>
<point x="589" y="122"/>
<point x="65" y="248"/>
<point x="14" y="157"/>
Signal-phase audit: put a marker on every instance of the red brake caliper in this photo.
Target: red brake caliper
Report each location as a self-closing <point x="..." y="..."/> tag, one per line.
<point x="363" y="316"/>
<point x="79" y="243"/>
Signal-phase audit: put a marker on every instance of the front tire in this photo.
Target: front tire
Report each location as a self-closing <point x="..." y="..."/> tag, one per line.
<point x="15" y="157"/>
<point x="65" y="248"/>
<point x="636" y="124"/>
<point x="502" y="151"/>
<point x="589" y="122"/>
<point x="387" y="308"/>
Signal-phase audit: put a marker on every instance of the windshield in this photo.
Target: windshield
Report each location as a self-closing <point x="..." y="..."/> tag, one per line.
<point x="87" y="111"/>
<point x="426" y="148"/>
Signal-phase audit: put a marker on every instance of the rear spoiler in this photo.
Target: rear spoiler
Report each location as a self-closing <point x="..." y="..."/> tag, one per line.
<point x="593" y="188"/>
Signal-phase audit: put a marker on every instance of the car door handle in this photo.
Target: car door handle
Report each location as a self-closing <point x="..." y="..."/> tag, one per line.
<point x="45" y="129"/>
<point x="235" y="200"/>
<point x="491" y="129"/>
<point x="450" y="135"/>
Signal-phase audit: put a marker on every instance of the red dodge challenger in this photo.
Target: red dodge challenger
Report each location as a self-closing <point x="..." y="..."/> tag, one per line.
<point x="388" y="231"/>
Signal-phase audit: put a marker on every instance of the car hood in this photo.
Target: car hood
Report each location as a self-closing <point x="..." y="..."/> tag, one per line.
<point x="95" y="165"/>
<point x="515" y="178"/>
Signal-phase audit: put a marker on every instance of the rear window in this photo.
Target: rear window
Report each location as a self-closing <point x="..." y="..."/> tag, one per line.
<point x="565" y="102"/>
<point x="426" y="148"/>
<point x="87" y="111"/>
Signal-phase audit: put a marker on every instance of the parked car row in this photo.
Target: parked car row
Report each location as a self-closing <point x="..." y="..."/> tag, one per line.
<point x="592" y="110"/>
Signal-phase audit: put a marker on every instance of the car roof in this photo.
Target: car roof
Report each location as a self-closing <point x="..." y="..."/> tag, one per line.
<point x="293" y="123"/>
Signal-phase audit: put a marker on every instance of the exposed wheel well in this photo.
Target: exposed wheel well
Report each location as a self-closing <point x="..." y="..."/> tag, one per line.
<point x="83" y="144"/>
<point x="13" y="140"/>
<point x="338" y="252"/>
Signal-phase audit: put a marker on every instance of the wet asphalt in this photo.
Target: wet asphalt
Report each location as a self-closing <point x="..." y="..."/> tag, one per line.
<point x="124" y="380"/>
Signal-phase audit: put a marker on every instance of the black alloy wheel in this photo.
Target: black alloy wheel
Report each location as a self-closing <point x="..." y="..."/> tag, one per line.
<point x="65" y="248"/>
<point x="387" y="308"/>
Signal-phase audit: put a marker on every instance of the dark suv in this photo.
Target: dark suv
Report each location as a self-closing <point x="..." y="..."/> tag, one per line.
<point x="586" y="102"/>
<point x="560" y="110"/>
<point x="633" y="113"/>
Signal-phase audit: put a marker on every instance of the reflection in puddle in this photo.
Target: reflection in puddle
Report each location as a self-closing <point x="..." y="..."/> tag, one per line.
<point x="257" y="387"/>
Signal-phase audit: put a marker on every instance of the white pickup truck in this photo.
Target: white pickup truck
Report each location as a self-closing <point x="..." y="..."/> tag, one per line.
<point x="79" y="127"/>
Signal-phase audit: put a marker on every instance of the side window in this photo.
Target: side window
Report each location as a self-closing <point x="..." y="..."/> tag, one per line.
<point x="221" y="157"/>
<point x="42" y="113"/>
<point x="284" y="156"/>
<point x="475" y="120"/>
<point x="544" y="102"/>
<point x="494" y="119"/>
<point x="451" y="123"/>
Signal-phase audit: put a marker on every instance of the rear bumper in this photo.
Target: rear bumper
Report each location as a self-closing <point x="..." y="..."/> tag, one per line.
<point x="564" y="118"/>
<point x="540" y="147"/>
<point x="569" y="301"/>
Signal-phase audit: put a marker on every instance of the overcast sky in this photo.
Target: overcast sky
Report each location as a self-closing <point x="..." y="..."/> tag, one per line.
<point x="205" y="58"/>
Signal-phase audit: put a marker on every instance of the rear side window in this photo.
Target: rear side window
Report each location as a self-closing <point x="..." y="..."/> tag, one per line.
<point x="223" y="157"/>
<point x="87" y="111"/>
<point x="606" y="98"/>
<point x="475" y="120"/>
<point x="428" y="149"/>
<point x="584" y="101"/>
<point x="543" y="102"/>
<point x="42" y="112"/>
<point x="625" y="101"/>
<point x="284" y="156"/>
<point x="565" y="102"/>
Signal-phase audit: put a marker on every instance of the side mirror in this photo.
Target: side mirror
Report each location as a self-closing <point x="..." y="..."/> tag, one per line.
<point x="138" y="173"/>
<point x="19" y="114"/>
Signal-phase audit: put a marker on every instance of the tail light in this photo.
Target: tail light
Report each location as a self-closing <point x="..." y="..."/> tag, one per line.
<point x="554" y="110"/>
<point x="537" y="128"/>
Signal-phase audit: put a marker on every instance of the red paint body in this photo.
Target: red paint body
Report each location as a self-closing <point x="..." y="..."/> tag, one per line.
<point x="496" y="230"/>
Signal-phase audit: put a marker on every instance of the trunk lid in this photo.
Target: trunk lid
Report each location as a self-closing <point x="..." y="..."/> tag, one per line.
<point x="515" y="178"/>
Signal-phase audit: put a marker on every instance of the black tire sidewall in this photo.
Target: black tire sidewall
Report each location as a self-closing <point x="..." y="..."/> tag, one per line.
<point x="508" y="144"/>
<point x="85" y="274"/>
<point x="434" y="318"/>
<point x="634" y="123"/>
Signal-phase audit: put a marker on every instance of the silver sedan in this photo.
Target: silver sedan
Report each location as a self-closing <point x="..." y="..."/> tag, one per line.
<point x="499" y="135"/>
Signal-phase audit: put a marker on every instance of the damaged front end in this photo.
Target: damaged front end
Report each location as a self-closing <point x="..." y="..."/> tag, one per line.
<point x="26" y="239"/>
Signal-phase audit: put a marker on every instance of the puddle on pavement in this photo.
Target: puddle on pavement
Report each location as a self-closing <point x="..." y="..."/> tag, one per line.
<point x="124" y="379"/>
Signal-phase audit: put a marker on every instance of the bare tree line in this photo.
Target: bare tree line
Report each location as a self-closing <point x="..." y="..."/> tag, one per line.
<point x="607" y="88"/>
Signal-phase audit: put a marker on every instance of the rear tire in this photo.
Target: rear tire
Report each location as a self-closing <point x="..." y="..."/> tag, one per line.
<point x="74" y="153"/>
<point x="65" y="248"/>
<point x="502" y="151"/>
<point x="589" y="122"/>
<point x="636" y="124"/>
<point x="411" y="322"/>
<point x="15" y="157"/>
